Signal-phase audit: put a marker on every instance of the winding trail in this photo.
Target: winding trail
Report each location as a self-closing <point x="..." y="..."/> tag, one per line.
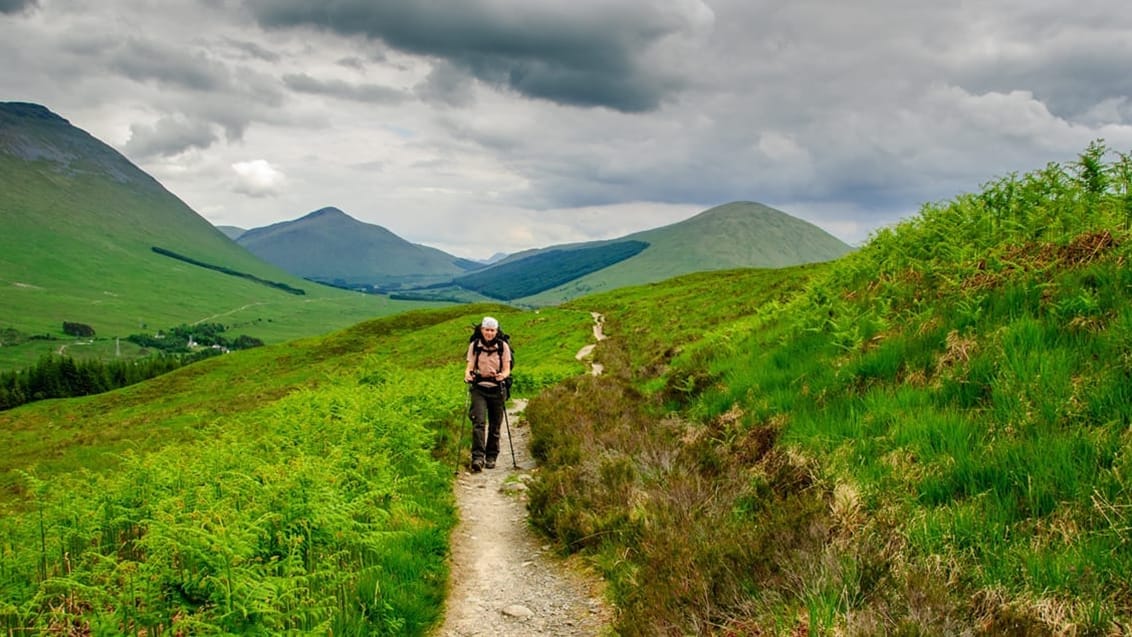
<point x="504" y="580"/>
<point x="599" y="335"/>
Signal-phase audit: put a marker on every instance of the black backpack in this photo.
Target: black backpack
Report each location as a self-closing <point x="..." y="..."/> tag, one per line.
<point x="477" y="338"/>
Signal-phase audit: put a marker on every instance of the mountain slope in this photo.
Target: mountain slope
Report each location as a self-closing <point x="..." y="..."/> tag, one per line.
<point x="934" y="437"/>
<point x="330" y="246"/>
<point x="547" y="269"/>
<point x="735" y="235"/>
<point x="232" y="232"/>
<point x="80" y="224"/>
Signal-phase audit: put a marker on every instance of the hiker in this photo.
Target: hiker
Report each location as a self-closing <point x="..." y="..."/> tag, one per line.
<point x="489" y="366"/>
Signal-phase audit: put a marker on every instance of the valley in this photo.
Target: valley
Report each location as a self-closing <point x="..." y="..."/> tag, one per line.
<point x="929" y="434"/>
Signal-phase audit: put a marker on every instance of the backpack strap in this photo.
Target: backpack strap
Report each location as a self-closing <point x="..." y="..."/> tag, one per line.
<point x="478" y="346"/>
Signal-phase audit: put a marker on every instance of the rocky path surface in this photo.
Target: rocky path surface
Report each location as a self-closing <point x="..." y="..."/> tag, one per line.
<point x="504" y="579"/>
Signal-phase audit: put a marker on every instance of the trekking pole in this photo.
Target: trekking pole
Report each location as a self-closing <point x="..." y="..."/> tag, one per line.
<point x="460" y="425"/>
<point x="514" y="463"/>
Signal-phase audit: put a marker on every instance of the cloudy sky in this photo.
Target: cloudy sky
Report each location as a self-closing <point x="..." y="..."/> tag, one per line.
<point x="483" y="126"/>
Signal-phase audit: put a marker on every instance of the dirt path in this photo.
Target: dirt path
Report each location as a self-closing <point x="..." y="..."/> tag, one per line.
<point x="599" y="335"/>
<point x="505" y="580"/>
<point x="239" y="309"/>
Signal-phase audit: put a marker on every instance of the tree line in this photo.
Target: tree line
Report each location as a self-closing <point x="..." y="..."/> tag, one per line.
<point x="56" y="376"/>
<point x="229" y="271"/>
<point x="63" y="376"/>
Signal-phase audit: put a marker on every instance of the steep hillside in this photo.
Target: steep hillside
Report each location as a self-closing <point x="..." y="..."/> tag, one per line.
<point x="80" y="224"/>
<point x="933" y="438"/>
<point x="734" y="235"/>
<point x="330" y="246"/>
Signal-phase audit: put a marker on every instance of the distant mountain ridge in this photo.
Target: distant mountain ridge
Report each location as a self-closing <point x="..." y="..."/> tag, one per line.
<point x="740" y="234"/>
<point x="330" y="246"/>
<point x="88" y="231"/>
<point x="87" y="237"/>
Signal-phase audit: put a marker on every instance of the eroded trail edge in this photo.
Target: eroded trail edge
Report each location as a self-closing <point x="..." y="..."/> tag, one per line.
<point x="504" y="580"/>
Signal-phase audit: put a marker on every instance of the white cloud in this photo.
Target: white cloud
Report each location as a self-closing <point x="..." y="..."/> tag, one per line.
<point x="258" y="178"/>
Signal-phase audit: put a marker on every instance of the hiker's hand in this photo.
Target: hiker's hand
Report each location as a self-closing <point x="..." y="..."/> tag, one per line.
<point x="468" y="377"/>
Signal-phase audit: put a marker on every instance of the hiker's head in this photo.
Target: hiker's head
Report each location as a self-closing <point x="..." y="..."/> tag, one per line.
<point x="489" y="327"/>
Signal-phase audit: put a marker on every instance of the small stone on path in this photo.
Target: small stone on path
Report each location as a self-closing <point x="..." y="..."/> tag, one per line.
<point x="518" y="611"/>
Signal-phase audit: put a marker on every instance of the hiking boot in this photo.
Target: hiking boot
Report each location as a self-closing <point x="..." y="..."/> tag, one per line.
<point x="477" y="465"/>
<point x="490" y="463"/>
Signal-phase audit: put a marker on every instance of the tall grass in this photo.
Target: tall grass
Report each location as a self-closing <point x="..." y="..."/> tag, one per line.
<point x="929" y="436"/>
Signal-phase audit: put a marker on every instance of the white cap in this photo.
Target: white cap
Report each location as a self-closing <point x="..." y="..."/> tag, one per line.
<point x="489" y="322"/>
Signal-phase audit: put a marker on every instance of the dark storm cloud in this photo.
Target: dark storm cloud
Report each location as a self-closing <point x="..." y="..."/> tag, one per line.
<point x="568" y="54"/>
<point x="372" y="93"/>
<point x="17" y="6"/>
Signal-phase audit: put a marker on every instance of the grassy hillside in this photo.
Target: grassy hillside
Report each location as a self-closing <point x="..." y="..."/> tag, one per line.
<point x="738" y="234"/>
<point x="932" y="438"/>
<point x="330" y="246"/>
<point x="80" y="222"/>
<point x="303" y="487"/>
<point x="928" y="436"/>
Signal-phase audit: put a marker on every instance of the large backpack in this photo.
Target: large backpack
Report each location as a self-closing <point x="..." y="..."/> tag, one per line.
<point x="477" y="338"/>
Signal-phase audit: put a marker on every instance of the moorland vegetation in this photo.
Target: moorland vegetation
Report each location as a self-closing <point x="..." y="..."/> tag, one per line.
<point x="927" y="436"/>
<point x="931" y="437"/>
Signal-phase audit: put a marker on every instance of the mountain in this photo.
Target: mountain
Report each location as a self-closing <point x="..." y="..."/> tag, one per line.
<point x="741" y="234"/>
<point x="232" y="232"/>
<point x="330" y="246"/>
<point x="90" y="238"/>
<point x="929" y="436"/>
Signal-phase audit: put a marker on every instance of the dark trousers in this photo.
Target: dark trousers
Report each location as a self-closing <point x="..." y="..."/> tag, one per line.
<point x="487" y="415"/>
